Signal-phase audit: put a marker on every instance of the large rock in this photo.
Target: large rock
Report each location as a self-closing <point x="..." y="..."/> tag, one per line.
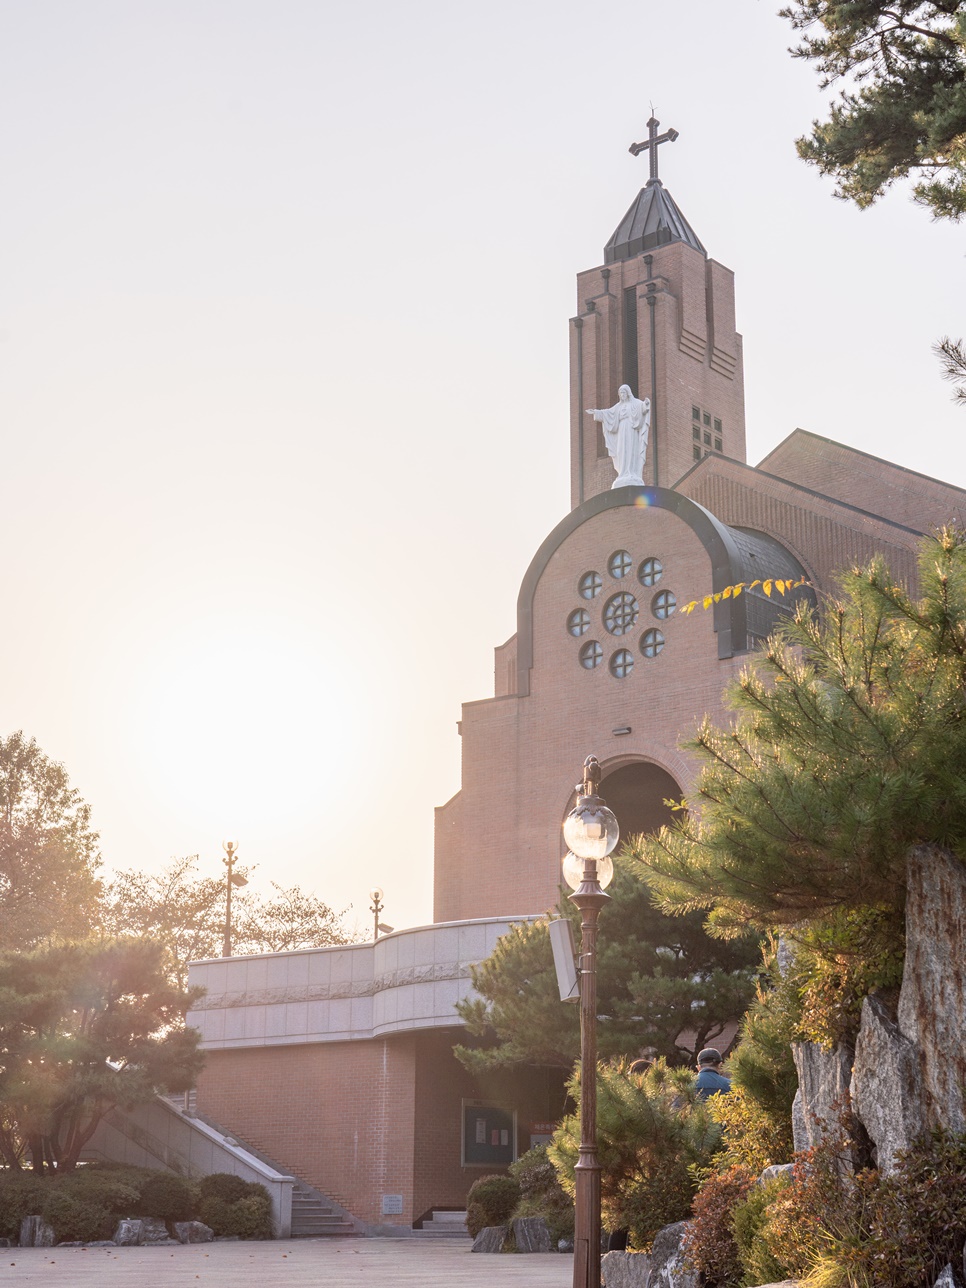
<point x="667" y="1260"/>
<point x="823" y="1081"/>
<point x="947" y="1279"/>
<point x="777" y="1171"/>
<point x="887" y="1091"/>
<point x="531" y="1234"/>
<point x="932" y="1001"/>
<point x="625" y="1269"/>
<point x="35" y="1233"/>
<point x="128" y="1233"/>
<point x="491" y="1238"/>
<point x="154" y="1230"/>
<point x="193" y="1232"/>
<point x="799" y="1129"/>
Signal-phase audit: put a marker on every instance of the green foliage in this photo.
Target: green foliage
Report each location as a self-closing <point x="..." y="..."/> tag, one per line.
<point x="952" y="358"/>
<point x="491" y="1201"/>
<point x="653" y="1135"/>
<point x="841" y="959"/>
<point x="21" y="1194"/>
<point x="169" y="1197"/>
<point x="232" y="1206"/>
<point x="74" y="1217"/>
<point x="904" y="111"/>
<point x="709" y="1240"/>
<point x="84" y="1028"/>
<point x="657" y="976"/>
<point x="48" y="852"/>
<point x="848" y="746"/>
<point x="541" y="1193"/>
<point x="226" y="1187"/>
<point x="757" y="1115"/>
<point x="833" y="1229"/>
<point x="748" y="1220"/>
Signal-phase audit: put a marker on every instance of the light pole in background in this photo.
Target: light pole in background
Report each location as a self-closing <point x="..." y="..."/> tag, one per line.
<point x="376" y="908"/>
<point x="235" y="881"/>
<point x="591" y="833"/>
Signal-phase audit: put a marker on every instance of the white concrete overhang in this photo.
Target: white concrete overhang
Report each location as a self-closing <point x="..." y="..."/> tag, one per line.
<point x="409" y="980"/>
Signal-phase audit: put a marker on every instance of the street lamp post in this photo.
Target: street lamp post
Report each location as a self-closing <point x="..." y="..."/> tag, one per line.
<point x="235" y="881"/>
<point x="376" y="908"/>
<point x="591" y="832"/>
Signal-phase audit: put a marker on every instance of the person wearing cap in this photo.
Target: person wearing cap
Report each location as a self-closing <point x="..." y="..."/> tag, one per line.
<point x="710" y="1080"/>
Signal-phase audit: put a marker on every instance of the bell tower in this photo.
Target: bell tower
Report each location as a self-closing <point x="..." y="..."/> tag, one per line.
<point x="658" y="315"/>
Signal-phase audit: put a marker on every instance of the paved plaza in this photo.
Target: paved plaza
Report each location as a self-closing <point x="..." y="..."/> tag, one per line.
<point x="292" y="1263"/>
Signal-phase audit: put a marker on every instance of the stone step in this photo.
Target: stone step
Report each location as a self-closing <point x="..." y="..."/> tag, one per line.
<point x="444" y="1225"/>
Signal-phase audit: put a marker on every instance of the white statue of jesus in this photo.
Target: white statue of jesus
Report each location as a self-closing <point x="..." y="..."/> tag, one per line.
<point x="626" y="427"/>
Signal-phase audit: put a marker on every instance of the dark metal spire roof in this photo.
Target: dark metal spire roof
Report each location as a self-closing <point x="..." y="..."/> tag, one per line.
<point x="653" y="220"/>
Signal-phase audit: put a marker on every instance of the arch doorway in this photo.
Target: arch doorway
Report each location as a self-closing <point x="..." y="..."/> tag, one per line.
<point x="636" y="793"/>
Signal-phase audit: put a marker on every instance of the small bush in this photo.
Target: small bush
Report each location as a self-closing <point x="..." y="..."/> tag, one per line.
<point x="541" y="1193"/>
<point x="709" y="1240"/>
<point x="118" y="1192"/>
<point x="224" y="1186"/>
<point x="21" y="1194"/>
<point x="749" y="1221"/>
<point x="491" y="1201"/>
<point x="169" y="1197"/>
<point x="246" y="1216"/>
<point x="74" y="1218"/>
<point x="653" y="1134"/>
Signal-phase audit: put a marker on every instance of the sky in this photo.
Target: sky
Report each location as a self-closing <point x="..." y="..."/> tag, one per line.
<point x="284" y="310"/>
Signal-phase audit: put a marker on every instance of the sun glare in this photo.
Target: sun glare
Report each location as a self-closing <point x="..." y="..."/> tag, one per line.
<point x="243" y="727"/>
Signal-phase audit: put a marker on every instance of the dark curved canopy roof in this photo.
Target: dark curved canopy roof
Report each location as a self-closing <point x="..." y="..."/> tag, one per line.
<point x="653" y="220"/>
<point x="734" y="554"/>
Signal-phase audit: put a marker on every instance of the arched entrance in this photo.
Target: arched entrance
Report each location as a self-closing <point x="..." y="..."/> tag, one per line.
<point x="636" y="793"/>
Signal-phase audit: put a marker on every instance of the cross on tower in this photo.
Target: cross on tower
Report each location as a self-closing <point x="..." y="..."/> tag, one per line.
<point x="651" y="144"/>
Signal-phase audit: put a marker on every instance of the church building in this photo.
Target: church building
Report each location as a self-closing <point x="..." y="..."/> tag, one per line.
<point x="337" y="1063"/>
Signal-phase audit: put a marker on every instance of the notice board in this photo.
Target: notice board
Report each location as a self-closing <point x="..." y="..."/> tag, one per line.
<point x="489" y="1134"/>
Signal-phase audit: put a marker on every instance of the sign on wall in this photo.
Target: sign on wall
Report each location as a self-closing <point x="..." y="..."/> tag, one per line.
<point x="489" y="1134"/>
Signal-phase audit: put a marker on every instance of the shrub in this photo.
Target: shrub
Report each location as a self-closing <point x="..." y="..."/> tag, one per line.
<point x="653" y="1134"/>
<point x="541" y="1193"/>
<point x="247" y="1215"/>
<point x="21" y="1194"/>
<point x="169" y="1197"/>
<point x="749" y="1219"/>
<point x="74" y="1218"/>
<point x="491" y="1201"/>
<point x="118" y="1191"/>
<point x="224" y="1186"/>
<point x="709" y="1240"/>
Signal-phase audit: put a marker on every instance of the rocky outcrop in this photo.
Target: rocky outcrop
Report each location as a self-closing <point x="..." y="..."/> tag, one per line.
<point x="625" y="1269"/>
<point x="492" y="1238"/>
<point x="531" y="1234"/>
<point x="823" y="1084"/>
<point x="668" y="1269"/>
<point x="887" y="1093"/>
<point x="932" y="1001"/>
<point x="35" y="1233"/>
<point x="193" y="1232"/>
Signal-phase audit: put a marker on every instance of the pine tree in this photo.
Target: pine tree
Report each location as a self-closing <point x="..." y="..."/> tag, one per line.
<point x="848" y="747"/>
<point x="660" y="980"/>
<point x="905" y="110"/>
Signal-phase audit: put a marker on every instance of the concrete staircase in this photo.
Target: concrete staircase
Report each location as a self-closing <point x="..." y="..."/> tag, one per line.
<point x="444" y="1225"/>
<point x="313" y="1215"/>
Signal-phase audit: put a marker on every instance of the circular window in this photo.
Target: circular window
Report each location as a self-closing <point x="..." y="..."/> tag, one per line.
<point x="619" y="564"/>
<point x="589" y="585"/>
<point x="621" y="664"/>
<point x="591" y="655"/>
<point x="652" y="642"/>
<point x="663" y="604"/>
<point x="620" y="614"/>
<point x="578" y="623"/>
<point x="649" y="573"/>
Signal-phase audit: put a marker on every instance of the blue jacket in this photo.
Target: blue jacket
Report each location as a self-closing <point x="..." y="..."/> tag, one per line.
<point x="710" y="1083"/>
